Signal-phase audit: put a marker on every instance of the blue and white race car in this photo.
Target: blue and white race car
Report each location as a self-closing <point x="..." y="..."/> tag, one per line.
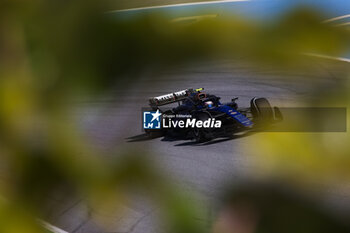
<point x="200" y="106"/>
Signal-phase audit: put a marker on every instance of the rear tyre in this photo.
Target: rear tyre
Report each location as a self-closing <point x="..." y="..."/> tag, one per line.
<point x="261" y="110"/>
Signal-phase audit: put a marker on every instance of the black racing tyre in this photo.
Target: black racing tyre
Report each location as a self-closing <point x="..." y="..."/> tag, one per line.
<point x="202" y="134"/>
<point x="261" y="110"/>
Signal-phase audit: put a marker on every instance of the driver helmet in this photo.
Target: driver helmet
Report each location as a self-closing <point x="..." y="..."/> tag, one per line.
<point x="209" y="104"/>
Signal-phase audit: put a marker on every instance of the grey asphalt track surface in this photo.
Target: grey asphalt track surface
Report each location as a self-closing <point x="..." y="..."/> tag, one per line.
<point x="199" y="170"/>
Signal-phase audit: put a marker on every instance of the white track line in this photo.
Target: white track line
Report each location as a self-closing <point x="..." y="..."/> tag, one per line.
<point x="337" y="18"/>
<point x="178" y="5"/>
<point x="51" y="227"/>
<point x="328" y="57"/>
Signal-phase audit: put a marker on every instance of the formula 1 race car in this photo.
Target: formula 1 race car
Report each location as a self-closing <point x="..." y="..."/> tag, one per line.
<point x="221" y="119"/>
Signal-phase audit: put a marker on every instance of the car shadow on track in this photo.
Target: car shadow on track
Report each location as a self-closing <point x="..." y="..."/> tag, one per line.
<point x="145" y="137"/>
<point x="215" y="141"/>
<point x="139" y="138"/>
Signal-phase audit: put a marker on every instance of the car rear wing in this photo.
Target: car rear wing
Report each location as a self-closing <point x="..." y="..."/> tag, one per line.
<point x="172" y="97"/>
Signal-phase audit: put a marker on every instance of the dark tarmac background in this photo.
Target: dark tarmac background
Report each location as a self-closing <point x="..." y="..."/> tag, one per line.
<point x="72" y="87"/>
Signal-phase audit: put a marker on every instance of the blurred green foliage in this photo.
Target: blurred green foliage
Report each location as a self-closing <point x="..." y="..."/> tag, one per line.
<point x="274" y="207"/>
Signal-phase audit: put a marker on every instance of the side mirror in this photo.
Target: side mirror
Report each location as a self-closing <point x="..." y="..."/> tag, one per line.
<point x="234" y="99"/>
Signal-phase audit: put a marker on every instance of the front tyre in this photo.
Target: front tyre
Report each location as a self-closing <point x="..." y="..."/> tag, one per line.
<point x="261" y="110"/>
